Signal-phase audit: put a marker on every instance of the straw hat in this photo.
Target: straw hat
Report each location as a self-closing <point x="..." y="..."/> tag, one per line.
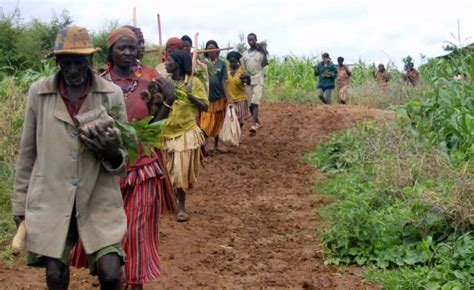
<point x="73" y="40"/>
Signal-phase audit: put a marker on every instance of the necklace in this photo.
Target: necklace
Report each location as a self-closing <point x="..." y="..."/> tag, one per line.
<point x="130" y="88"/>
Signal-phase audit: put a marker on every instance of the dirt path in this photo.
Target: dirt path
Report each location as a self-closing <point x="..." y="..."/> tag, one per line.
<point x="252" y="216"/>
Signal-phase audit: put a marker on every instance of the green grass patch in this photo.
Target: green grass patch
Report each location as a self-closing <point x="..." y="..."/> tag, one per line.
<point x="400" y="207"/>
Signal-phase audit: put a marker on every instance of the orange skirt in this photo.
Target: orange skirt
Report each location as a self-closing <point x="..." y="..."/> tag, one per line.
<point x="212" y="120"/>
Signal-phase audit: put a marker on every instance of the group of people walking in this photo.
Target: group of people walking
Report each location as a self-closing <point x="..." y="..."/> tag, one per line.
<point x="82" y="200"/>
<point x="338" y="77"/>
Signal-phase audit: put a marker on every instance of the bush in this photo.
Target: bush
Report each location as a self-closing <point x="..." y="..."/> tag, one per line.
<point x="445" y="114"/>
<point x="398" y="200"/>
<point x="24" y="46"/>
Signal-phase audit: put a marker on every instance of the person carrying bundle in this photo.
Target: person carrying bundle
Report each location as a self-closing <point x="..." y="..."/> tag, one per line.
<point x="182" y="138"/>
<point x="65" y="182"/>
<point x="327" y="74"/>
<point x="168" y="199"/>
<point x="143" y="183"/>
<point x="237" y="79"/>
<point x="254" y="60"/>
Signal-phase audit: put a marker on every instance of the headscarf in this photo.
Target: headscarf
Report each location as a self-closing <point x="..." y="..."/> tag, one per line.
<point x="119" y="33"/>
<point x="174" y="41"/>
<point x="184" y="61"/>
<point x="234" y="54"/>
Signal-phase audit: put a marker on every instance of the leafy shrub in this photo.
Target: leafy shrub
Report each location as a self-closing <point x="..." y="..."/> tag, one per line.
<point x="398" y="199"/>
<point x="445" y="115"/>
<point x="450" y="266"/>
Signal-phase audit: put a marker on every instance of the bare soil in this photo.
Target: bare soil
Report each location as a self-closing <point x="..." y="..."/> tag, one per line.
<point x="253" y="215"/>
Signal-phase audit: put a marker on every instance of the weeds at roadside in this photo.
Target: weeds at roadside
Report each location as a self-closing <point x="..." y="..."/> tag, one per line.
<point x="392" y="191"/>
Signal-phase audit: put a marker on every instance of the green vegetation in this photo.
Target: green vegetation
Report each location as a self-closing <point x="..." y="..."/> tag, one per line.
<point x="403" y="190"/>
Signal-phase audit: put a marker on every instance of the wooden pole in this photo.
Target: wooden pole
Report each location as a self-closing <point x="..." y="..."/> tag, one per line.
<point x="160" y="40"/>
<point x="212" y="50"/>
<point x="135" y="16"/>
<point x="195" y="49"/>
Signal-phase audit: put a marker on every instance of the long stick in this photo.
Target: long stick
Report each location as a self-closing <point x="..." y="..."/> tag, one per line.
<point x="194" y="61"/>
<point x="196" y="50"/>
<point x="160" y="43"/>
<point x="212" y="50"/>
<point x="135" y="16"/>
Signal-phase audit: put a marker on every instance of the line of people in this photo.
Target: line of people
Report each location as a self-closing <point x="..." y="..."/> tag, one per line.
<point x="338" y="77"/>
<point x="82" y="201"/>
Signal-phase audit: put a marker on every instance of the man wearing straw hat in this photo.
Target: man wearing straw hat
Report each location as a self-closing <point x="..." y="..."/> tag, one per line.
<point x="65" y="182"/>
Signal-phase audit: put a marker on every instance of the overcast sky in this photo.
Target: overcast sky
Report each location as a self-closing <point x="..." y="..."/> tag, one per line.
<point x="373" y="31"/>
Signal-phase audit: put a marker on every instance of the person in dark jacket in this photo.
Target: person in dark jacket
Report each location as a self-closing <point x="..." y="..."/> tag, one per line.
<point x="326" y="72"/>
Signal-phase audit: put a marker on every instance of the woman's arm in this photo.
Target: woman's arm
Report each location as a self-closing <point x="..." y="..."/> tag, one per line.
<point x="169" y="94"/>
<point x="202" y="105"/>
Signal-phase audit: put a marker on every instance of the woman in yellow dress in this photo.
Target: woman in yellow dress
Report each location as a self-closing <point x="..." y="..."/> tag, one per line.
<point x="182" y="138"/>
<point x="237" y="78"/>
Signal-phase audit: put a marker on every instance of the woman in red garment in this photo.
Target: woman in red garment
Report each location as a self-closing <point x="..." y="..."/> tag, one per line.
<point x="143" y="184"/>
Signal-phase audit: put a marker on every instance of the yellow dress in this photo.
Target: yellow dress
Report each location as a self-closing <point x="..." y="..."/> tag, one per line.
<point x="238" y="93"/>
<point x="182" y="140"/>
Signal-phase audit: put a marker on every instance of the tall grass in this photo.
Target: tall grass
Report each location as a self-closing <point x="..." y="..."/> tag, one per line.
<point x="292" y="80"/>
<point x="13" y="90"/>
<point x="13" y="105"/>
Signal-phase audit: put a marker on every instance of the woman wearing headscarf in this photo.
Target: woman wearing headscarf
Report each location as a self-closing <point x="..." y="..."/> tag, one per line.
<point x="237" y="79"/>
<point x="182" y="138"/>
<point x="173" y="44"/>
<point x="142" y="186"/>
<point x="212" y="120"/>
<point x="143" y="183"/>
<point x="168" y="199"/>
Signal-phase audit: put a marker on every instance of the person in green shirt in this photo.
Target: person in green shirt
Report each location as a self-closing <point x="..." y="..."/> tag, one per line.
<point x="213" y="119"/>
<point x="326" y="72"/>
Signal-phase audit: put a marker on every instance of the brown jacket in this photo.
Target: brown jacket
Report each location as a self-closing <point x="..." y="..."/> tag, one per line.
<point x="55" y="172"/>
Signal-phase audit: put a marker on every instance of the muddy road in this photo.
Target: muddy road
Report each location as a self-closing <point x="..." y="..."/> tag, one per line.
<point x="253" y="219"/>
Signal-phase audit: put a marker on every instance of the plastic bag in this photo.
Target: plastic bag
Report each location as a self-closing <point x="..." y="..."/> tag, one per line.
<point x="230" y="132"/>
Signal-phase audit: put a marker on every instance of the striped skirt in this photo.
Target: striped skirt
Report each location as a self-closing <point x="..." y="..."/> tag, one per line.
<point x="142" y="191"/>
<point x="168" y="195"/>
<point x="242" y="110"/>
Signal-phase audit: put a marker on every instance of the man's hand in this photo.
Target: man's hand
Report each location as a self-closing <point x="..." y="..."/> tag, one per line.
<point x="18" y="219"/>
<point x="104" y="142"/>
<point x="167" y="88"/>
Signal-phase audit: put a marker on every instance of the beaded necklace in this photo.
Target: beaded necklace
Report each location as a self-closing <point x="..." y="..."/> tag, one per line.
<point x="128" y="90"/>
